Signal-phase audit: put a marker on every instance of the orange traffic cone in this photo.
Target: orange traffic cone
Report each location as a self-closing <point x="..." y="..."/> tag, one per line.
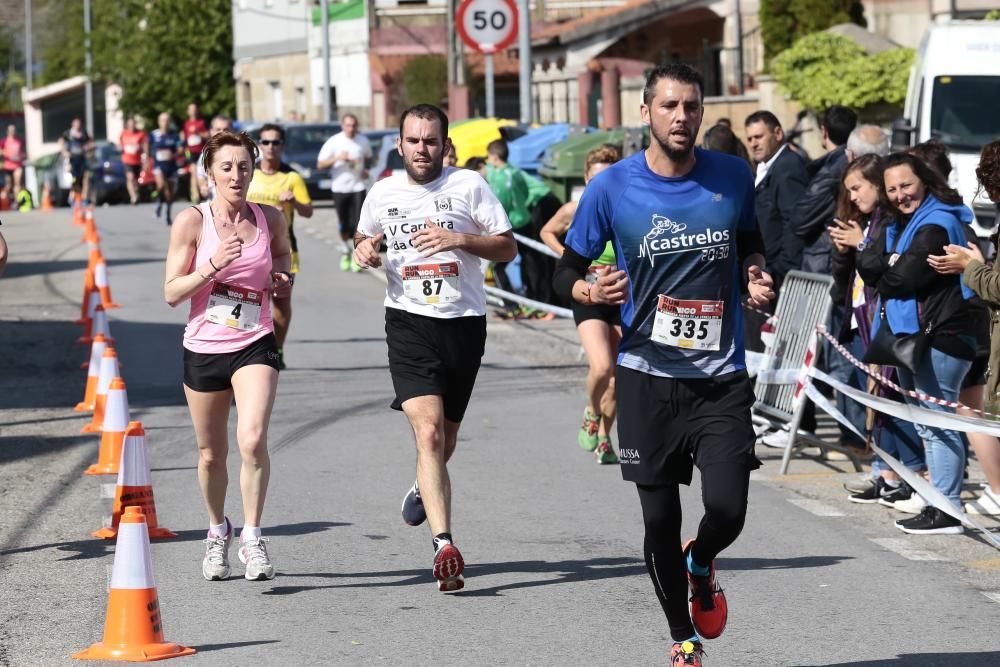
<point x="101" y="280"/>
<point x="134" y="485"/>
<point x="90" y="234"/>
<point x="112" y="431"/>
<point x="77" y="209"/>
<point x="86" y="310"/>
<point x="93" y="374"/>
<point x="133" y="624"/>
<point x="46" y="197"/>
<point x="96" y="325"/>
<point x="108" y="372"/>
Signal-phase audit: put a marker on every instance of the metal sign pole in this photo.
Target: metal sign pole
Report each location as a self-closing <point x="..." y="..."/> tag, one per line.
<point x="524" y="55"/>
<point x="490" y="105"/>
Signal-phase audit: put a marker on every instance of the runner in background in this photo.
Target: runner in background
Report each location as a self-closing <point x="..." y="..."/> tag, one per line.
<point x="228" y="257"/>
<point x="599" y="326"/>
<point x="206" y="187"/>
<point x="12" y="150"/>
<point x="132" y="143"/>
<point x="194" y="134"/>
<point x="438" y="223"/>
<point x="163" y="145"/>
<point x="75" y="144"/>
<point x="277" y="184"/>
<point x="345" y="154"/>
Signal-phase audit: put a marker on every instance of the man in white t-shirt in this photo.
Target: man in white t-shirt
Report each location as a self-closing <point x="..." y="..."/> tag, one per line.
<point x="346" y="155"/>
<point x="438" y="223"/>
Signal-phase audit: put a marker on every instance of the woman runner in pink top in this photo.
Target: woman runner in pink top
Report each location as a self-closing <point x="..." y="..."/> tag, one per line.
<point x="229" y="257"/>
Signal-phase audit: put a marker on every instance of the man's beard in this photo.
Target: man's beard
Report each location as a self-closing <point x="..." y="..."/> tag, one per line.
<point x="675" y="154"/>
<point x="437" y="166"/>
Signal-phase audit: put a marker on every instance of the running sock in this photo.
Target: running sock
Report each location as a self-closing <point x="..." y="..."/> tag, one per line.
<point x="891" y="483"/>
<point x="439" y="538"/>
<point x="694" y="639"/>
<point x="250" y="532"/>
<point x="169" y="206"/>
<point x="694" y="568"/>
<point x="219" y="530"/>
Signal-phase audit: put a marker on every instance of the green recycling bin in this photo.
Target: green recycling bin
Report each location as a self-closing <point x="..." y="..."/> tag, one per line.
<point x="562" y="164"/>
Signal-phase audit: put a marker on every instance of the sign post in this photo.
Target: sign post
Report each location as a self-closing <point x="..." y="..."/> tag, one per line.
<point x="487" y="26"/>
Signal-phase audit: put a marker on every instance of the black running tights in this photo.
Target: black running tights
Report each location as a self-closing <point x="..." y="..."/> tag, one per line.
<point x="724" y="489"/>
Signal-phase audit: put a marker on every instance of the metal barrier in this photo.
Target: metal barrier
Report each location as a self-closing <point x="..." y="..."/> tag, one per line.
<point x="803" y="304"/>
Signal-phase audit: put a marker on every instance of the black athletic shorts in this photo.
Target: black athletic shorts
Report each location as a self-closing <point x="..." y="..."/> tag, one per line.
<point x="666" y="426"/>
<point x="976" y="377"/>
<point x="136" y="169"/>
<point x="348" y="205"/>
<point x="610" y="314"/>
<point x="77" y="167"/>
<point x="432" y="356"/>
<point x="214" y="372"/>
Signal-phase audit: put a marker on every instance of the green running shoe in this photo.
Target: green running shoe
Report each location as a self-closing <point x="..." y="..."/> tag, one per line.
<point x="588" y="432"/>
<point x="605" y="453"/>
<point x="345" y="262"/>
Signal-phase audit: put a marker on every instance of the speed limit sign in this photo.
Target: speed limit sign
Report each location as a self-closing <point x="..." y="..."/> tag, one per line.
<point x="487" y="26"/>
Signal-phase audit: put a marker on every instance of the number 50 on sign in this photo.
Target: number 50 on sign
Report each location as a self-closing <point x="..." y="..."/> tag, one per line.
<point x="487" y="26"/>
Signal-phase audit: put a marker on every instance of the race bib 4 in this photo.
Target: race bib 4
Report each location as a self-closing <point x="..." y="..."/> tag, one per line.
<point x="688" y="324"/>
<point x="431" y="283"/>
<point x="234" y="307"/>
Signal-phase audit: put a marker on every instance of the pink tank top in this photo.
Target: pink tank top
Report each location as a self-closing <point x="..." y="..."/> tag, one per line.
<point x="233" y="310"/>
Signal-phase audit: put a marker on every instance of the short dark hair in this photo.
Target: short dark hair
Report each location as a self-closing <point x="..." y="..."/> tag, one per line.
<point x="929" y="176"/>
<point x="763" y="116"/>
<point x="427" y="112"/>
<point x="229" y="138"/>
<point x="498" y="148"/>
<point x="350" y="115"/>
<point x="933" y="153"/>
<point x="722" y="139"/>
<point x="474" y="163"/>
<point x="839" y="122"/>
<point x="272" y="127"/>
<point x="675" y="72"/>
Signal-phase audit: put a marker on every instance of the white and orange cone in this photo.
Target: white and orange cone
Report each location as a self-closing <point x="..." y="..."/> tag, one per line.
<point x="112" y="431"/>
<point x="98" y="325"/>
<point x="88" y="287"/>
<point x="93" y="374"/>
<point x="101" y="281"/>
<point x="108" y="372"/>
<point x="135" y="486"/>
<point x="133" y="622"/>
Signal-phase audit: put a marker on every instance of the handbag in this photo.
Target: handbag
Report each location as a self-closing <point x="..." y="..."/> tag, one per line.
<point x="903" y="351"/>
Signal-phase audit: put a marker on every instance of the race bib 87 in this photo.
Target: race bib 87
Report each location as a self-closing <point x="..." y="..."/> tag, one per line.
<point x="431" y="283"/>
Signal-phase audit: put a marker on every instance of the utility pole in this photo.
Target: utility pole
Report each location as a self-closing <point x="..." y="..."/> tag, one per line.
<point x="27" y="45"/>
<point x="88" y="87"/>
<point x="458" y="102"/>
<point x="524" y="59"/>
<point x="739" y="48"/>
<point x="324" y="8"/>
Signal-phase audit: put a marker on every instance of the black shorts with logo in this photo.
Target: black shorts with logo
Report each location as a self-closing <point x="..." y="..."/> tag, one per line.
<point x="610" y="314"/>
<point x="666" y="426"/>
<point x="433" y="356"/>
<point x="214" y="372"/>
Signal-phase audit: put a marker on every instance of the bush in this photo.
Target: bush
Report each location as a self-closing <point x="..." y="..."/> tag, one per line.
<point x="821" y="69"/>
<point x="782" y="22"/>
<point x="425" y="80"/>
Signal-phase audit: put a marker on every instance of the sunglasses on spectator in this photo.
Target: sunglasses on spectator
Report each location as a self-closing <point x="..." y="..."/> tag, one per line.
<point x="271" y="142"/>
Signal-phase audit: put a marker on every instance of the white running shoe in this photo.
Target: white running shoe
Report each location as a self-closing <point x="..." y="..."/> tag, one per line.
<point x="253" y="554"/>
<point x="987" y="504"/>
<point x="777" y="440"/>
<point x="912" y="505"/>
<point x="215" y="566"/>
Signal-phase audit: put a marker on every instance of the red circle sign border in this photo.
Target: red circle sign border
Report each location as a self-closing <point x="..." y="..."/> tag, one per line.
<point x="473" y="44"/>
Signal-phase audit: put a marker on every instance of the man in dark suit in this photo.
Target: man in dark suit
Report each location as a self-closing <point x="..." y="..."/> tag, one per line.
<point x="781" y="181"/>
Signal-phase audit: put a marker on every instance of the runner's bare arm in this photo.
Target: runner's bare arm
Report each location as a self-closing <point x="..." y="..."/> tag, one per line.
<point x="281" y="251"/>
<point x="366" y="249"/>
<point x="183" y="280"/>
<point x="432" y="239"/>
<point x="557" y="226"/>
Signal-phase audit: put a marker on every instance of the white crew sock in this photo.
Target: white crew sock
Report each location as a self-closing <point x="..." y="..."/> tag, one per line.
<point x="220" y="529"/>
<point x="250" y="533"/>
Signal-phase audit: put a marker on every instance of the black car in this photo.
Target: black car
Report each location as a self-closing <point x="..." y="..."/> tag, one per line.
<point x="302" y="144"/>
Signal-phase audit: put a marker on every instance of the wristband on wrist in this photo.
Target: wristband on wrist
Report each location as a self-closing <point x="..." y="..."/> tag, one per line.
<point x="586" y="295"/>
<point x="217" y="269"/>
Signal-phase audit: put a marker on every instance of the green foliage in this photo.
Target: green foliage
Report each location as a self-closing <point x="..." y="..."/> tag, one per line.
<point x="992" y="15"/>
<point x="784" y="21"/>
<point x="163" y="54"/>
<point x="425" y="80"/>
<point x="822" y="69"/>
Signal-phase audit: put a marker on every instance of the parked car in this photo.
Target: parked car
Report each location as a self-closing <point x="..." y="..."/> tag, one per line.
<point x="377" y="137"/>
<point x="388" y="161"/>
<point x="302" y="144"/>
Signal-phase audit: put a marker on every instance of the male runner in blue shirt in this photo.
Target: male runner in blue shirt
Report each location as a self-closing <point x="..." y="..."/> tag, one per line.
<point x="685" y="233"/>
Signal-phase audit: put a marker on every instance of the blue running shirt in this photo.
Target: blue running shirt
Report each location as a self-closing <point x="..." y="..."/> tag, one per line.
<point x="674" y="237"/>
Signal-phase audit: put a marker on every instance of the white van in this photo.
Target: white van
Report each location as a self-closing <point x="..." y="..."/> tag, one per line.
<point x="954" y="96"/>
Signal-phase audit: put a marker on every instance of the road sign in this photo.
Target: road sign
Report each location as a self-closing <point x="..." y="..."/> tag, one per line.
<point x="487" y="26"/>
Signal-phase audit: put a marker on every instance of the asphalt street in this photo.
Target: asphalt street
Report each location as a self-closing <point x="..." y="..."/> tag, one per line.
<point x="553" y="541"/>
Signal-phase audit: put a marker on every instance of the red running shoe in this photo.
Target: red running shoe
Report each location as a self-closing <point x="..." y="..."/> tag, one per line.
<point x="686" y="654"/>
<point x="448" y="567"/>
<point x="709" y="610"/>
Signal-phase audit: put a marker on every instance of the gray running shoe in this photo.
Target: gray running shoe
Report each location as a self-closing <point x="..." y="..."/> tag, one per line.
<point x="413" y="510"/>
<point x="253" y="554"/>
<point x="215" y="566"/>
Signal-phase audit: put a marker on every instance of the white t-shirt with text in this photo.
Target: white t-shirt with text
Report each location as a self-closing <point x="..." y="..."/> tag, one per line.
<point x="346" y="175"/>
<point x="447" y="284"/>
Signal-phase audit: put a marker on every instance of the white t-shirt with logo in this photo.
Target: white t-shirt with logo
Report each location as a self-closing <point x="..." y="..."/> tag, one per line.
<point x="447" y="284"/>
<point x="346" y="176"/>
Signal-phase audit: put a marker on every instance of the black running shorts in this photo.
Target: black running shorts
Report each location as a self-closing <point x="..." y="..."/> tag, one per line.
<point x="214" y="372"/>
<point x="610" y="314"/>
<point x="432" y="356"/>
<point x="666" y="426"/>
<point x="348" y="205"/>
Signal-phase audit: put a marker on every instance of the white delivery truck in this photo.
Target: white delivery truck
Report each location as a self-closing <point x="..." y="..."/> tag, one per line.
<point x="954" y="97"/>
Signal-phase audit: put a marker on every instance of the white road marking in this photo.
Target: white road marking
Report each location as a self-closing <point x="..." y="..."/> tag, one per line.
<point x="815" y="507"/>
<point x="995" y="597"/>
<point x="902" y="547"/>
